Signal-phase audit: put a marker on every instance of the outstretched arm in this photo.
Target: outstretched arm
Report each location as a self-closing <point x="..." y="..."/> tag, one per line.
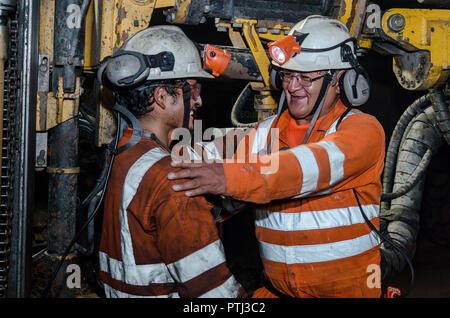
<point x="306" y="170"/>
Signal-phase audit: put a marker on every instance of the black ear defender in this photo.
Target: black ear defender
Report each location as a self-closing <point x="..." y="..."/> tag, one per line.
<point x="354" y="84"/>
<point x="275" y="77"/>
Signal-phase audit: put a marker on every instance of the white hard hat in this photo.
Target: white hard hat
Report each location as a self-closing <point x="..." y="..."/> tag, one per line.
<point x="321" y="48"/>
<point x="156" y="53"/>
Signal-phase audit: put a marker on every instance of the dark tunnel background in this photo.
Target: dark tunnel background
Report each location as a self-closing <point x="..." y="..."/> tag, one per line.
<point x="387" y="102"/>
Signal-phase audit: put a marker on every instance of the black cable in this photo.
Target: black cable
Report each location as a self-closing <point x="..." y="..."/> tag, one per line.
<point x="91" y="217"/>
<point x="386" y="239"/>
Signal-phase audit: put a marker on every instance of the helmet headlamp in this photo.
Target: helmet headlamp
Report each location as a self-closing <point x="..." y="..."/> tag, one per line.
<point x="282" y="50"/>
<point x="216" y="59"/>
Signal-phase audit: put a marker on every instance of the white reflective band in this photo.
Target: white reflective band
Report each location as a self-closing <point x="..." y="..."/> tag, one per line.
<point x="332" y="128"/>
<point x="132" y="181"/>
<point x="299" y="254"/>
<point x="229" y="289"/>
<point x="198" y="262"/>
<point x="138" y="275"/>
<point x="314" y="220"/>
<point x="114" y="293"/>
<point x="310" y="169"/>
<point x="260" y="140"/>
<point x="336" y="159"/>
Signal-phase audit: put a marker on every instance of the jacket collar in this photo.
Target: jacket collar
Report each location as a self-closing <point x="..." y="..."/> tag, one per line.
<point x="322" y="126"/>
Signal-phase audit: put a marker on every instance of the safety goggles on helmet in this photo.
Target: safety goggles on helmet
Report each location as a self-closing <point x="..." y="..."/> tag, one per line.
<point x="138" y="66"/>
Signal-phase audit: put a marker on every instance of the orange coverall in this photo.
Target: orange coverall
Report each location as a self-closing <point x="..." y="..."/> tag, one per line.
<point x="156" y="242"/>
<point x="316" y="243"/>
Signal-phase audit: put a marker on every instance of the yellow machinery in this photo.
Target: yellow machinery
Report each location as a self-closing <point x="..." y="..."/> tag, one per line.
<point x="72" y="37"/>
<point x="417" y="38"/>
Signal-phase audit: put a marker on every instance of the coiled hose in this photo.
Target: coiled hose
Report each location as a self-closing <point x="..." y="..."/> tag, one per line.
<point x="239" y="105"/>
<point x="418" y="135"/>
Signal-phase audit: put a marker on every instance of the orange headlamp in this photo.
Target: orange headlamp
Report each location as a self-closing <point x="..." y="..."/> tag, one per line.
<point x="282" y="50"/>
<point x="216" y="59"/>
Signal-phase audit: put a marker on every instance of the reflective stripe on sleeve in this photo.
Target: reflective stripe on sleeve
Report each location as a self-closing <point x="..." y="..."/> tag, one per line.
<point x="310" y="169"/>
<point x="336" y="160"/>
<point x="198" y="262"/>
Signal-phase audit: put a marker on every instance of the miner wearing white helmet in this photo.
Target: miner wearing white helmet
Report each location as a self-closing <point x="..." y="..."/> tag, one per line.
<point x="157" y="243"/>
<point x="312" y="207"/>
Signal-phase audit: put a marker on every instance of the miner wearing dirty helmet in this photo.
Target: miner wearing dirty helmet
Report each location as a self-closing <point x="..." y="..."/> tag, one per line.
<point x="311" y="207"/>
<point x="157" y="243"/>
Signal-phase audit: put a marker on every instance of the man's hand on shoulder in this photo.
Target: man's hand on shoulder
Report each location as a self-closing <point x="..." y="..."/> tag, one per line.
<point x="205" y="178"/>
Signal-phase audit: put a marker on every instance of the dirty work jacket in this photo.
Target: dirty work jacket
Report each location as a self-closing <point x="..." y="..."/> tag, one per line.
<point x="316" y="243"/>
<point x="156" y="242"/>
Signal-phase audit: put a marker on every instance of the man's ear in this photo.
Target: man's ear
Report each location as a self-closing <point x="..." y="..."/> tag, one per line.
<point x="160" y="97"/>
<point x="336" y="81"/>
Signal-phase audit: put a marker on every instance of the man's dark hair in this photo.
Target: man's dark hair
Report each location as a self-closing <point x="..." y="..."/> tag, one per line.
<point x="138" y="99"/>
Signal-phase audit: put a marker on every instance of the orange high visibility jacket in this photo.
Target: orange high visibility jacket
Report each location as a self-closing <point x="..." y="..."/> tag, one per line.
<point x="316" y="243"/>
<point x="156" y="242"/>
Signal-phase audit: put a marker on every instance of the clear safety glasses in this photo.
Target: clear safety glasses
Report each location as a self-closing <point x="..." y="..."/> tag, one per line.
<point x="302" y="79"/>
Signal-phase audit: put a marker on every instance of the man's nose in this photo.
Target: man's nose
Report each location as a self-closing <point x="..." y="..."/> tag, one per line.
<point x="293" y="84"/>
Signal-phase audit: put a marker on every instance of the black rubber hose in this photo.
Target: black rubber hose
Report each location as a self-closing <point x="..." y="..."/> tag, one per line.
<point x="417" y="175"/>
<point x="401" y="222"/>
<point x="391" y="156"/>
<point x="237" y="107"/>
<point x="442" y="112"/>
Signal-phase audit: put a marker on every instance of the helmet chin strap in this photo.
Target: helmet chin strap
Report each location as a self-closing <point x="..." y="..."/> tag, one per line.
<point x="187" y="104"/>
<point x="319" y="103"/>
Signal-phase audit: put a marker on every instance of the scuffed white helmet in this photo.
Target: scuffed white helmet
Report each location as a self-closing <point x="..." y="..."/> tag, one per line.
<point x="321" y="48"/>
<point x="156" y="53"/>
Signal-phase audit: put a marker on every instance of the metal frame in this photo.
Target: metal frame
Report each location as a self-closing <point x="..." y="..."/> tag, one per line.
<point x="20" y="264"/>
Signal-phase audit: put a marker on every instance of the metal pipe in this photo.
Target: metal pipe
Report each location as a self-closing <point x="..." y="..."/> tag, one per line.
<point x="63" y="166"/>
<point x="62" y="199"/>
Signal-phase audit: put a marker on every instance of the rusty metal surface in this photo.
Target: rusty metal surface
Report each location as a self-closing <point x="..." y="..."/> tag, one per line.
<point x="119" y="20"/>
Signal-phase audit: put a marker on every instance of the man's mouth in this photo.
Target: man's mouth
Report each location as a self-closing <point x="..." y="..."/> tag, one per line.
<point x="298" y="98"/>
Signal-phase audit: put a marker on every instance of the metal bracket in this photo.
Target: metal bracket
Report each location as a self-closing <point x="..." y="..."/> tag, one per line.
<point x="41" y="149"/>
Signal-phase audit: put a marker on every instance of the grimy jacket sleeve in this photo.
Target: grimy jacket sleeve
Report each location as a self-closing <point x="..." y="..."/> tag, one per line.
<point x="188" y="241"/>
<point x="350" y="157"/>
